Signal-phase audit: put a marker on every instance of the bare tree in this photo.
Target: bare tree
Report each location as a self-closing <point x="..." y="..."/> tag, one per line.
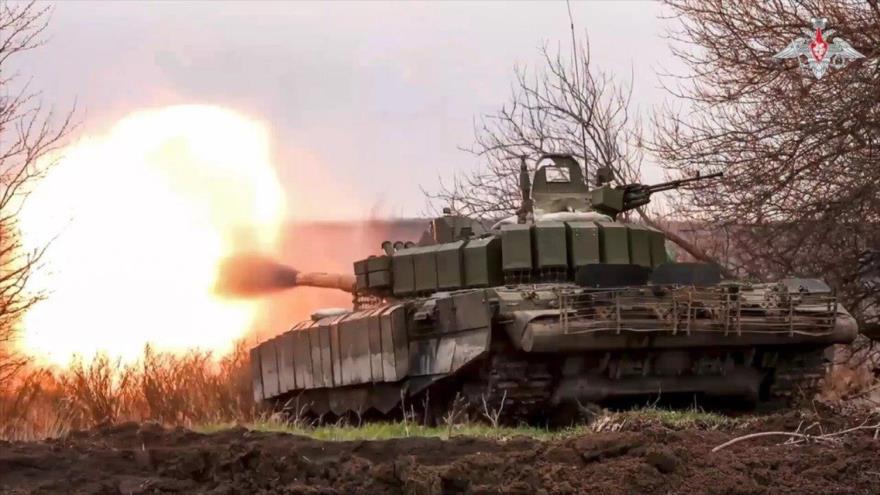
<point x="29" y="133"/>
<point x="801" y="193"/>
<point x="568" y="106"/>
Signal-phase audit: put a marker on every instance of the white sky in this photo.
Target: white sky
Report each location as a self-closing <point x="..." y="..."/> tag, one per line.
<point x="366" y="101"/>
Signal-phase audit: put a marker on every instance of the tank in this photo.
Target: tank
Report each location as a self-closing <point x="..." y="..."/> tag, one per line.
<point x="562" y="304"/>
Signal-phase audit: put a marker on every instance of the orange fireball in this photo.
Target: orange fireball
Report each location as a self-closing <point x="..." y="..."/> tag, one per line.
<point x="139" y="220"/>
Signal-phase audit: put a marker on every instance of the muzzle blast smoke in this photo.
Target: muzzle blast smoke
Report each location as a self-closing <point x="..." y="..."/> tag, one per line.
<point x="254" y="275"/>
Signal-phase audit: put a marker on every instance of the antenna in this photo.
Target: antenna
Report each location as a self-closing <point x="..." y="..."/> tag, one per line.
<point x="577" y="85"/>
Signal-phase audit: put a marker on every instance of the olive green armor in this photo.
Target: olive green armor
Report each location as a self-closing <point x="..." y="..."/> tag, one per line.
<point x="560" y="304"/>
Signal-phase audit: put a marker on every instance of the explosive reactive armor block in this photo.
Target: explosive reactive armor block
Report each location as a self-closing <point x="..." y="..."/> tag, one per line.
<point x="583" y="244"/>
<point x="403" y="272"/>
<point x="373" y="273"/>
<point x="639" y="245"/>
<point x="360" y="273"/>
<point x="450" y="265"/>
<point x="516" y="247"/>
<point x="550" y="245"/>
<point x="614" y="242"/>
<point x="425" y="266"/>
<point x="658" y="247"/>
<point x="482" y="262"/>
<point x="379" y="272"/>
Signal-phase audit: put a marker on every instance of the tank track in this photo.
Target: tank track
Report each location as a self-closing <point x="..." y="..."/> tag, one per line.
<point x="523" y="387"/>
<point x="526" y="388"/>
<point x="798" y="377"/>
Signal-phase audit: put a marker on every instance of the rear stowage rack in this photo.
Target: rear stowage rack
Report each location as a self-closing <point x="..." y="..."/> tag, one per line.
<point x="728" y="309"/>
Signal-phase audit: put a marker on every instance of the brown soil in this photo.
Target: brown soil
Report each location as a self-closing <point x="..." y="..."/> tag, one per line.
<point x="139" y="459"/>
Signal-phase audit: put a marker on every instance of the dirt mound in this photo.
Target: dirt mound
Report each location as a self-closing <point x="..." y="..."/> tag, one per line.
<point x="142" y="458"/>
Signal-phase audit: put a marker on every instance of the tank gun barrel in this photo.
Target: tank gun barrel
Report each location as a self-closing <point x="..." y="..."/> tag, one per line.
<point x="252" y="275"/>
<point x="340" y="281"/>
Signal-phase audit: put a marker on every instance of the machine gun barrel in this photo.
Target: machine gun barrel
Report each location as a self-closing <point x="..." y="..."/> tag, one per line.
<point x="674" y="184"/>
<point x="635" y="195"/>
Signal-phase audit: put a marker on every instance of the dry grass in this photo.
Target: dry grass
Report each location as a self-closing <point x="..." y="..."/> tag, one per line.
<point x="198" y="391"/>
<point x="175" y="390"/>
<point x="853" y="376"/>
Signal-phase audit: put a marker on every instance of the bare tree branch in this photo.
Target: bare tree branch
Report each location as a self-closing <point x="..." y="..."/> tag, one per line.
<point x="29" y="133"/>
<point x="569" y="107"/>
<point x="801" y="191"/>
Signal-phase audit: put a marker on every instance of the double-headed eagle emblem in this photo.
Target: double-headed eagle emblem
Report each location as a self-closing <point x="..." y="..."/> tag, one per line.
<point x="815" y="54"/>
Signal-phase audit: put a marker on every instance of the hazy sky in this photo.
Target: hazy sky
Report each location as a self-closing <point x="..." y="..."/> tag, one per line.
<point x="366" y="101"/>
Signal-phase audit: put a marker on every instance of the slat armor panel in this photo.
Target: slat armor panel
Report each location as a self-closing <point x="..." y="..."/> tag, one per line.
<point x="375" y="341"/>
<point x="286" y="371"/>
<point x="315" y="351"/>
<point x="326" y="356"/>
<point x="354" y="348"/>
<point x="302" y="359"/>
<point x="269" y="366"/>
<point x="335" y="357"/>
<point x="257" y="374"/>
<point x="395" y="348"/>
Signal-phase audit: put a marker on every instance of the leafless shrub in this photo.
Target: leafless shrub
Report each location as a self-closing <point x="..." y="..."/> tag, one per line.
<point x="493" y="414"/>
<point x="426" y="408"/>
<point x="34" y="407"/>
<point x="404" y="418"/>
<point x="454" y="413"/>
<point x="99" y="390"/>
<point x="170" y="389"/>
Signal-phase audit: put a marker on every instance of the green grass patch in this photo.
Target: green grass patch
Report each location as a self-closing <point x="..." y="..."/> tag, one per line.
<point x="605" y="421"/>
<point x="389" y="430"/>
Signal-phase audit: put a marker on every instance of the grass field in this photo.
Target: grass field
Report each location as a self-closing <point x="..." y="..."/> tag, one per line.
<point x="604" y="421"/>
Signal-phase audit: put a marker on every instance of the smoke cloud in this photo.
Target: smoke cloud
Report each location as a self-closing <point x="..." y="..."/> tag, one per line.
<point x="253" y="275"/>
